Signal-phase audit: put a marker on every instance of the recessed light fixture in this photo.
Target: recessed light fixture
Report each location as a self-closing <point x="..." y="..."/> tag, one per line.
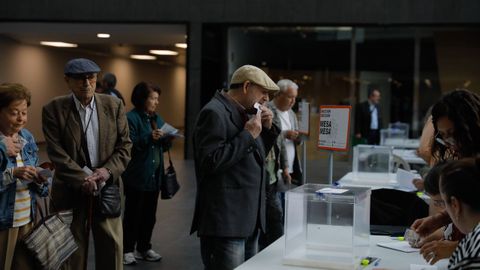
<point x="163" y="52"/>
<point x="143" y="57"/>
<point x="103" y="35"/>
<point x="59" y="44"/>
<point x="181" y="45"/>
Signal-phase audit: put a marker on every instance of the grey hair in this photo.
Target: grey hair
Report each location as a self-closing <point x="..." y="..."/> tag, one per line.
<point x="284" y="84"/>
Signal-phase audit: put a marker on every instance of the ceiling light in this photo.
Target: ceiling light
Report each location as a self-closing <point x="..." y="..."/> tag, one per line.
<point x="143" y="57"/>
<point x="58" y="44"/>
<point x="163" y="52"/>
<point x="103" y="35"/>
<point x="181" y="45"/>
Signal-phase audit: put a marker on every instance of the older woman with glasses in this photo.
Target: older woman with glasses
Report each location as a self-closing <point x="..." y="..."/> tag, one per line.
<point x="144" y="174"/>
<point x="20" y="179"/>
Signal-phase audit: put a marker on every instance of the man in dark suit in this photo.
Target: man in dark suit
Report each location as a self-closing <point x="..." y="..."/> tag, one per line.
<point x="368" y="121"/>
<point x="232" y="135"/>
<point x="87" y="130"/>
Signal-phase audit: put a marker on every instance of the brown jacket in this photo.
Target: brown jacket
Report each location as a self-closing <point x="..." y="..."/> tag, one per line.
<point x="63" y="130"/>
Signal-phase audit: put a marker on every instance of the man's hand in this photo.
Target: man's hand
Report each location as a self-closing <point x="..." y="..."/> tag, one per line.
<point x="287" y="178"/>
<point x="437" y="250"/>
<point x="98" y="176"/>
<point x="25" y="173"/>
<point x="291" y="134"/>
<point x="267" y="117"/>
<point x="254" y="125"/>
<point x="157" y="134"/>
<point x="13" y="146"/>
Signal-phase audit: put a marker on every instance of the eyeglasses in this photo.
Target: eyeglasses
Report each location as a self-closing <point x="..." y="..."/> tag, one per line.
<point x="83" y="77"/>
<point x="438" y="203"/>
<point x="449" y="141"/>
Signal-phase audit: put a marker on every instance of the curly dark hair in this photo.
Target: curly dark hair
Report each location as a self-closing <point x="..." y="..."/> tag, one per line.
<point x="462" y="107"/>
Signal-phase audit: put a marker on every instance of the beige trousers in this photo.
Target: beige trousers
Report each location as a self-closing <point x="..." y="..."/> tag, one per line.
<point x="108" y="241"/>
<point x="13" y="253"/>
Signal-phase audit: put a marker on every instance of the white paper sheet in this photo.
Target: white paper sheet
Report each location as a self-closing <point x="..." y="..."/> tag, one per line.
<point x="404" y="179"/>
<point x="402" y="246"/>
<point x="332" y="190"/>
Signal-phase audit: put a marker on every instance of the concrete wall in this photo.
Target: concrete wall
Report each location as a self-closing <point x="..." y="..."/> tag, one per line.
<point x="40" y="69"/>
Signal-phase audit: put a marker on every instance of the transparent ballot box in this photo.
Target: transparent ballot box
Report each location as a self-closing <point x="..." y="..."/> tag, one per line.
<point x="402" y="127"/>
<point x="393" y="136"/>
<point x="372" y="159"/>
<point x="327" y="230"/>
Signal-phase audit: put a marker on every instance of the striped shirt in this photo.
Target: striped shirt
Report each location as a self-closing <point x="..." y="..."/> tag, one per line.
<point x="467" y="254"/>
<point x="22" y="208"/>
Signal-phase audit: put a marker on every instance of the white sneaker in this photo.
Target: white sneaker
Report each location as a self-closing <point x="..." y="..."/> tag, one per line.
<point x="129" y="258"/>
<point x="149" y="255"/>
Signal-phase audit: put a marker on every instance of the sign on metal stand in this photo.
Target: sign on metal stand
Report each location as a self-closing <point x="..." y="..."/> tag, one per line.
<point x="334" y="130"/>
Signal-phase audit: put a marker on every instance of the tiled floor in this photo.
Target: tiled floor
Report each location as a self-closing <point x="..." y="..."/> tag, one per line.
<point x="171" y="238"/>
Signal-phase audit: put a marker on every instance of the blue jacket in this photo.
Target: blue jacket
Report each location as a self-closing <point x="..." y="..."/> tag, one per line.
<point x="145" y="170"/>
<point x="7" y="192"/>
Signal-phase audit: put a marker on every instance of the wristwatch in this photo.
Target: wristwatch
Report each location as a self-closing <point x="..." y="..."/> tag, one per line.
<point x="110" y="173"/>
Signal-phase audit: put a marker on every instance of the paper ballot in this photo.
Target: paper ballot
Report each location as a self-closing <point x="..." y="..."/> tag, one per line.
<point x="257" y="106"/>
<point x="405" y="178"/>
<point x="170" y="130"/>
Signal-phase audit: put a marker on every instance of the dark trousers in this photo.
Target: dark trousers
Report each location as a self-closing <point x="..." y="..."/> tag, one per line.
<point x="226" y="253"/>
<point x="374" y="136"/>
<point x="274" y="215"/>
<point x="139" y="219"/>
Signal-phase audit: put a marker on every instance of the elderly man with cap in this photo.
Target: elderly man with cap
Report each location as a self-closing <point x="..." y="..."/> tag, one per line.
<point x="232" y="136"/>
<point x="88" y="141"/>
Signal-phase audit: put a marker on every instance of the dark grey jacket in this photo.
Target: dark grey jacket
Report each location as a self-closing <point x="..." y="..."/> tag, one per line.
<point x="229" y="165"/>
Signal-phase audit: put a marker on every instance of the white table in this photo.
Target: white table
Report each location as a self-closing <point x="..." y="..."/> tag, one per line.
<point x="409" y="155"/>
<point x="271" y="257"/>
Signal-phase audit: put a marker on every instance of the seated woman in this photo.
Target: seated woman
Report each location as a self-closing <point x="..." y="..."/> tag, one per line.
<point x="19" y="177"/>
<point x="456" y="121"/>
<point x="440" y="244"/>
<point x="459" y="186"/>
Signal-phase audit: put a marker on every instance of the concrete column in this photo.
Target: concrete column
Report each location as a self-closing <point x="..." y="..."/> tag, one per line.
<point x="193" y="95"/>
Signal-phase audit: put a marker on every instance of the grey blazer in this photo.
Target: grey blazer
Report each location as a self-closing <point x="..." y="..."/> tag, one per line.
<point x="229" y="166"/>
<point x="281" y="142"/>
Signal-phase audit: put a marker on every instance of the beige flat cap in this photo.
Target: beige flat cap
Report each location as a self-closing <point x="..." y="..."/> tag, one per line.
<point x="255" y="75"/>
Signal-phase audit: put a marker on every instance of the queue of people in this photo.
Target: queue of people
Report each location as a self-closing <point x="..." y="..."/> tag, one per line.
<point x="245" y="159"/>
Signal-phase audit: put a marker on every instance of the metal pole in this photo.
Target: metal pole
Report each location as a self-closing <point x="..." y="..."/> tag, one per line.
<point x="304" y="161"/>
<point x="330" y="167"/>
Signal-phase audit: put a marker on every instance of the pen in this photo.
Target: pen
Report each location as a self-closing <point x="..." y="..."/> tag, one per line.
<point x="399" y="238"/>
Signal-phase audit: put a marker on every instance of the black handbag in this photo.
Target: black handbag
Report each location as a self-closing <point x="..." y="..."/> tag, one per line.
<point x="169" y="185"/>
<point x="109" y="201"/>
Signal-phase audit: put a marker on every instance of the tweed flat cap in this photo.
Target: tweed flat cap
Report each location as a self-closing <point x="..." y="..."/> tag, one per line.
<point x="254" y="75"/>
<point x="80" y="66"/>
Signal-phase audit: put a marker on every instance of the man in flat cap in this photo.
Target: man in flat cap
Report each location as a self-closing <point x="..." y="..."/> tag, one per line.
<point x="231" y="137"/>
<point x="87" y="131"/>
